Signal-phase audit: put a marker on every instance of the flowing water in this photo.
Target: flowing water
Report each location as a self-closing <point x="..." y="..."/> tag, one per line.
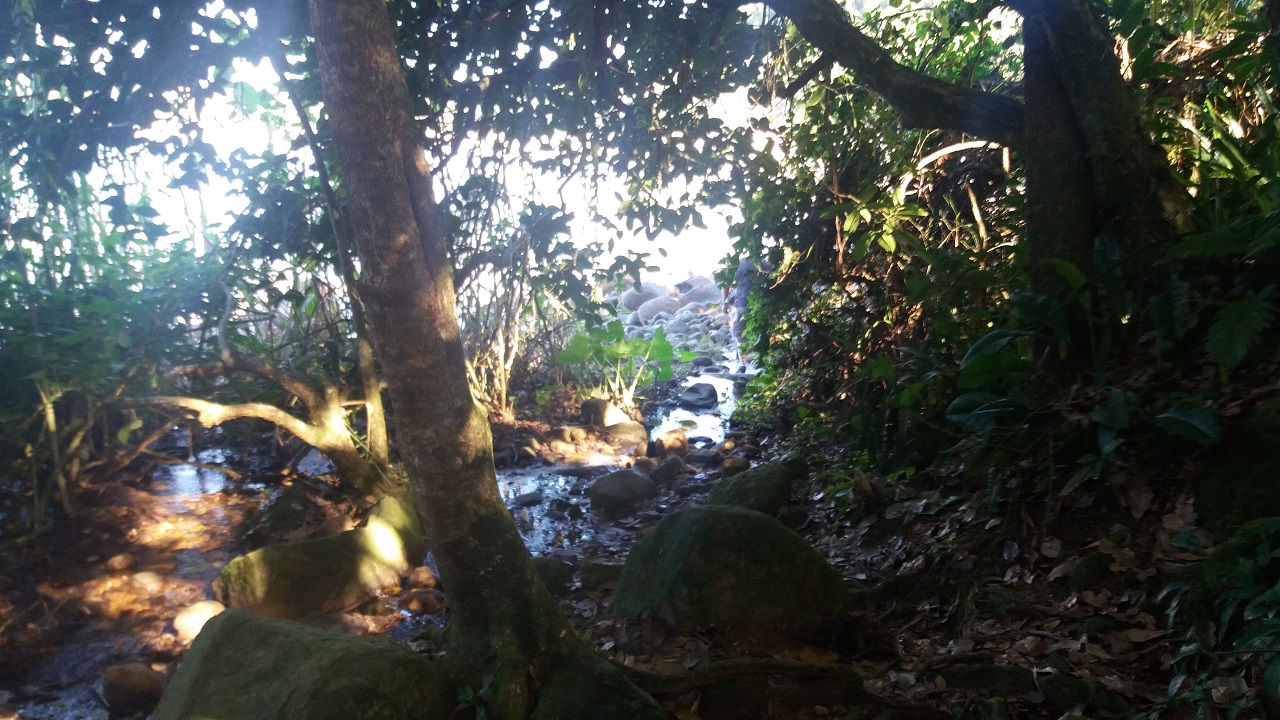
<point x="115" y="603"/>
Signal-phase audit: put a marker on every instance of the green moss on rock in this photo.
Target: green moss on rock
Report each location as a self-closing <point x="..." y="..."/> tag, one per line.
<point x="329" y="574"/>
<point x="246" y="667"/>
<point x="585" y="685"/>
<point x="764" y="488"/>
<point x="733" y="568"/>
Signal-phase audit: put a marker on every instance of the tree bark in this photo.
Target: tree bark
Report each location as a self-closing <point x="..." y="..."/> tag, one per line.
<point x="502" y="617"/>
<point x="1061" y="214"/>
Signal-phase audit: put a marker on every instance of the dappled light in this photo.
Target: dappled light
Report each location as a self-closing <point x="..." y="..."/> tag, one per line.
<point x="800" y="359"/>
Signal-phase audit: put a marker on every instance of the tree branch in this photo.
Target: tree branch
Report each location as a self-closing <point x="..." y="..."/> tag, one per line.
<point x="309" y="396"/>
<point x="921" y="100"/>
<point x="210" y="414"/>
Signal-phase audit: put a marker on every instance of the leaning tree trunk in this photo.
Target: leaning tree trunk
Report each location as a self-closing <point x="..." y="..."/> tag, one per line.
<point x="503" y="620"/>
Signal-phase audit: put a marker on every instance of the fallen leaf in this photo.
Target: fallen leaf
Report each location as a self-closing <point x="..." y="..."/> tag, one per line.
<point x="1051" y="548"/>
<point x="1139" y="635"/>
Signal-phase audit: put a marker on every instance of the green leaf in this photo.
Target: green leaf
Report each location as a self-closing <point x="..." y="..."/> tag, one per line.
<point x="577" y="352"/>
<point x="1171" y="314"/>
<point x="992" y="342"/>
<point x="989" y="368"/>
<point x="1236" y="328"/>
<point x="978" y="411"/>
<point x="1190" y="419"/>
<point x="1041" y="311"/>
<point x="1114" y="411"/>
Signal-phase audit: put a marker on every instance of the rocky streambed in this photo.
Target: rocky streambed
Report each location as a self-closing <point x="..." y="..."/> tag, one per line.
<point x="109" y="625"/>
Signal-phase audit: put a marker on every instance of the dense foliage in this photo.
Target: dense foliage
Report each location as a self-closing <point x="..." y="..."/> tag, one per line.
<point x="912" y="321"/>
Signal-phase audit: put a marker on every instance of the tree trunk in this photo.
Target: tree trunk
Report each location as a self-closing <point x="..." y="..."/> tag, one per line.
<point x="502" y="618"/>
<point x="1061" y="214"/>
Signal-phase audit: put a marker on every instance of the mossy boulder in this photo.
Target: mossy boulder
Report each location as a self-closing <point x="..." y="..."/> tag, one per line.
<point x="585" y="685"/>
<point x="729" y="567"/>
<point x="244" y="667"/>
<point x="1241" y="484"/>
<point x="765" y="488"/>
<point x="329" y="574"/>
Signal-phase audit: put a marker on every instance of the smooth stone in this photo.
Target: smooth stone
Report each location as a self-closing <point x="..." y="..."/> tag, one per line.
<point x="188" y="622"/>
<point x="132" y="688"/>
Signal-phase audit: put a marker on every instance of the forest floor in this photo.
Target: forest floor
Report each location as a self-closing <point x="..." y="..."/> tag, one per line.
<point x="1052" y="610"/>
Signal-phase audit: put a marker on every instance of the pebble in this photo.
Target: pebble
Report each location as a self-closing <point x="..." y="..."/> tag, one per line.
<point x="423" y="577"/>
<point x="192" y="618"/>
<point x="148" y="581"/>
<point x="121" y="562"/>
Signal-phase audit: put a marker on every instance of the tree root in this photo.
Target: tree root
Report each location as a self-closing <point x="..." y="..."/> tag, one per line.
<point x="849" y="679"/>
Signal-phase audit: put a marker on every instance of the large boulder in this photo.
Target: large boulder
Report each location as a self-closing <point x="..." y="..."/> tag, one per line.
<point x="599" y="412"/>
<point x="649" y="311"/>
<point x="701" y="294"/>
<point x="731" y="568"/>
<point x="244" y="667"/>
<point x="325" y="575"/>
<point x="629" y="435"/>
<point x="764" y="488"/>
<point x="620" y="491"/>
<point x="633" y="298"/>
<point x="699" y="396"/>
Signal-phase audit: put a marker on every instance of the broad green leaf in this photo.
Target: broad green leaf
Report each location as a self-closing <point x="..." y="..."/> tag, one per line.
<point x="1113" y="412"/>
<point x="985" y="369"/>
<point x="977" y="411"/>
<point x="992" y="342"/>
<point x="1190" y="419"/>
<point x="576" y="352"/>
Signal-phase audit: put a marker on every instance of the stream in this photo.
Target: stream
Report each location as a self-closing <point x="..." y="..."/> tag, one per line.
<point x="114" y="603"/>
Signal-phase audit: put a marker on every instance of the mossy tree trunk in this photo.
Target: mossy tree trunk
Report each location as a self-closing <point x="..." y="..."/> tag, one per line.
<point x="503" y="622"/>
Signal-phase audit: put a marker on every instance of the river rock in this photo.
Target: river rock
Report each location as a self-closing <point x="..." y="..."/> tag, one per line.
<point x="425" y="601"/>
<point x="650" y="311"/>
<point x="731" y="466"/>
<point x="619" y="491"/>
<point x="699" y="396"/>
<point x="244" y="666"/>
<point x="732" y="568"/>
<point x="326" y="575"/>
<point x="633" y="298"/>
<point x="189" y="620"/>
<point x="596" y="574"/>
<point x="670" y="469"/>
<point x="423" y="577"/>
<point x="671" y="442"/>
<point x="568" y="433"/>
<point x="132" y="688"/>
<point x="765" y="488"/>
<point x="707" y="294"/>
<point x="629" y="435"/>
<point x="121" y="562"/>
<point x="645" y="465"/>
<point x="598" y="412"/>
<point x="702" y="457"/>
